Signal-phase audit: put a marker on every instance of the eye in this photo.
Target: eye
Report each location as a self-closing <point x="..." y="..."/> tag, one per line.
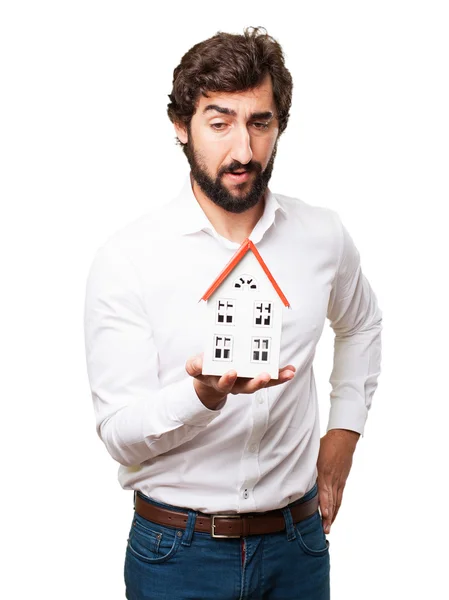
<point x="261" y="126"/>
<point x="218" y="126"/>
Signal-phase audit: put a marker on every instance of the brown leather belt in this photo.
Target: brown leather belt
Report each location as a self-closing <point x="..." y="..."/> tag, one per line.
<point x="227" y="526"/>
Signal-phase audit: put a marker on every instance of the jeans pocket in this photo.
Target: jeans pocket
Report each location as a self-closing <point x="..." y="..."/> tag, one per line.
<point x="311" y="537"/>
<point x="152" y="543"/>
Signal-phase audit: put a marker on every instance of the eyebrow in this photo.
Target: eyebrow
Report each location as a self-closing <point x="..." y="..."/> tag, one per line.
<point x="228" y="111"/>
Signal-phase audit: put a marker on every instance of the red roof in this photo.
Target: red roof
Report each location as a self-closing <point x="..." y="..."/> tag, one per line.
<point x="246" y="245"/>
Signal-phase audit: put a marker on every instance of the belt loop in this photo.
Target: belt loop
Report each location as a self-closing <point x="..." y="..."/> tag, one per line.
<point x="134" y="500"/>
<point x="291" y="533"/>
<point x="188" y="533"/>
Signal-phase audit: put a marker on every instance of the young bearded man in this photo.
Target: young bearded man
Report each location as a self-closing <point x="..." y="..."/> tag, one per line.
<point x="234" y="490"/>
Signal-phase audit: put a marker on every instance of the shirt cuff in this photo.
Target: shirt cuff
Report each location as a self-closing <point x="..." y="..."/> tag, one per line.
<point x="187" y="408"/>
<point x="346" y="414"/>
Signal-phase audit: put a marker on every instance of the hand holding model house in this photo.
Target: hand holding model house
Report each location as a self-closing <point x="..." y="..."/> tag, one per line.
<point x="212" y="389"/>
<point x="243" y="332"/>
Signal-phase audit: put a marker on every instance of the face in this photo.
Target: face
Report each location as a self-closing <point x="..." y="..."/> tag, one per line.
<point x="231" y="145"/>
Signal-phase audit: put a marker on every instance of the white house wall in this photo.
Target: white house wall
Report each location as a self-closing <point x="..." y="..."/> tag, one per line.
<point x="243" y="330"/>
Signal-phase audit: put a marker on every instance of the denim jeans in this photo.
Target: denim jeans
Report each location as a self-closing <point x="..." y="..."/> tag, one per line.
<point x="175" y="564"/>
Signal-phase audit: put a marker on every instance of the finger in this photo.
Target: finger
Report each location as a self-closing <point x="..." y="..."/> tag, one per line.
<point x="194" y="365"/>
<point x="325" y="501"/>
<point x="259" y="382"/>
<point x="226" y="382"/>
<point x="338" y="502"/>
<point x="332" y="495"/>
<point x="285" y="374"/>
<point x="282" y="379"/>
<point x="194" y="368"/>
<point x="289" y="367"/>
<point x="250" y="386"/>
<point x="322" y="502"/>
<point x="264" y="380"/>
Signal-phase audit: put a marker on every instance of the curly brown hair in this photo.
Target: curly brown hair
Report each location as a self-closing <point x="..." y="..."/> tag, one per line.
<point x="230" y="63"/>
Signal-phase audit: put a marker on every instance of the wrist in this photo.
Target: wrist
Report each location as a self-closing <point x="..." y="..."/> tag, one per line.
<point x="347" y="434"/>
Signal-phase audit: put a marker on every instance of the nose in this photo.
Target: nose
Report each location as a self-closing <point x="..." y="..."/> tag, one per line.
<point x="241" y="146"/>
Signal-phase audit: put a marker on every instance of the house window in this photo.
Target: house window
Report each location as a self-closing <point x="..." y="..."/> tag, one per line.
<point x="223" y="347"/>
<point x="263" y="314"/>
<point x="225" y="312"/>
<point x="261" y="350"/>
<point x="246" y="282"/>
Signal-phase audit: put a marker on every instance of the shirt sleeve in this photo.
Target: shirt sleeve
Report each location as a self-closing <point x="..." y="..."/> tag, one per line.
<point x="136" y="418"/>
<point x="357" y="322"/>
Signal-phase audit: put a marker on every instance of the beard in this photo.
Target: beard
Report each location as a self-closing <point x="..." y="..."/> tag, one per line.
<point x="218" y="193"/>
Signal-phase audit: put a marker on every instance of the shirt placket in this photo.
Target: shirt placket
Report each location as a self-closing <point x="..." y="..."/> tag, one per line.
<point x="249" y="466"/>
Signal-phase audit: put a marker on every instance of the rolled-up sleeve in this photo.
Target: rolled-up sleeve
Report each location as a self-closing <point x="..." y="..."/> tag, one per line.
<point x="136" y="418"/>
<point x="356" y="319"/>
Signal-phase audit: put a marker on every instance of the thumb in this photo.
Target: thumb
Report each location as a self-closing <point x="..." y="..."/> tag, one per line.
<point x="194" y="365"/>
<point x="326" y="504"/>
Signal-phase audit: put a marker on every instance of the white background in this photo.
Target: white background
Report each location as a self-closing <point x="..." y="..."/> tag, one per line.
<point x="86" y="147"/>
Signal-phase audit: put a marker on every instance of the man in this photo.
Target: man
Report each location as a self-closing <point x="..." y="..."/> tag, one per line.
<point x="192" y="447"/>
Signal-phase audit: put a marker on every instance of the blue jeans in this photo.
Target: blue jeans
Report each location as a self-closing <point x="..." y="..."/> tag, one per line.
<point x="175" y="564"/>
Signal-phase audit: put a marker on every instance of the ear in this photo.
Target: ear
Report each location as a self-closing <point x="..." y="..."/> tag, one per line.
<point x="181" y="132"/>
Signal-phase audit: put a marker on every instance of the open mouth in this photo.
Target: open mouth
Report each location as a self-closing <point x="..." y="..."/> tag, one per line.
<point x="239" y="175"/>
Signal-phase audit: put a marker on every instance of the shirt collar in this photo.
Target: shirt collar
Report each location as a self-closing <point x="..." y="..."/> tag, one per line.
<point x="190" y="217"/>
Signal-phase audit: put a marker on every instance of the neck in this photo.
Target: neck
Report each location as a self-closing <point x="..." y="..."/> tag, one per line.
<point x="235" y="227"/>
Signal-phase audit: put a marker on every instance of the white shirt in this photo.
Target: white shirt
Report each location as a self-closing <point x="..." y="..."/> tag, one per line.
<point x="143" y="320"/>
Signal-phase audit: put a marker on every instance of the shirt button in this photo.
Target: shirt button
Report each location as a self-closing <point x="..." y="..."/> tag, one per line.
<point x="260" y="400"/>
<point x="253" y="448"/>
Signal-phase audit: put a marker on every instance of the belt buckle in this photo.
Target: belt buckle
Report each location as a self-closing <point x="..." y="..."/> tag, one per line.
<point x="215" y="535"/>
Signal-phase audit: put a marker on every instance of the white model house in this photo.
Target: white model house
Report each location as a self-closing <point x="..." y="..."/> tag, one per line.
<point x="244" y="318"/>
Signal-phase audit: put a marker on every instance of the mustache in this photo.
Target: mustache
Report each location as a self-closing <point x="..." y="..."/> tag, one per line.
<point x="236" y="166"/>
